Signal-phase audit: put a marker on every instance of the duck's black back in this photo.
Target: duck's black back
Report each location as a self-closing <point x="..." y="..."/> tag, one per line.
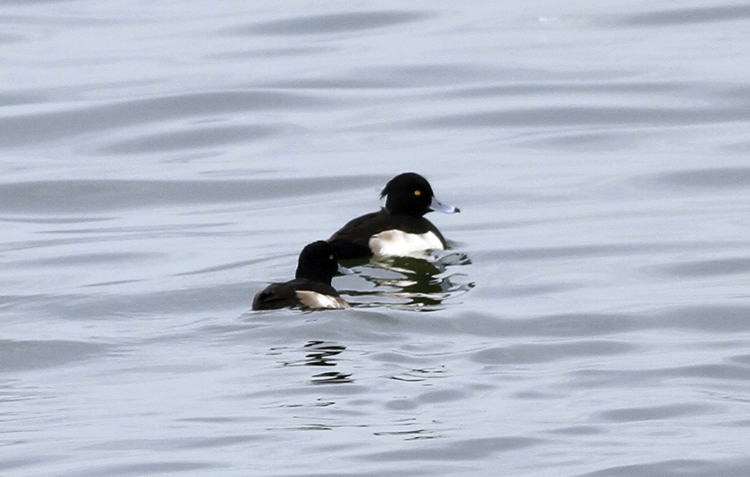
<point x="353" y="239"/>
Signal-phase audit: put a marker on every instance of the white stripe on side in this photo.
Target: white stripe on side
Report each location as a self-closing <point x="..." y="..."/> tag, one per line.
<point x="399" y="243"/>
<point x="313" y="299"/>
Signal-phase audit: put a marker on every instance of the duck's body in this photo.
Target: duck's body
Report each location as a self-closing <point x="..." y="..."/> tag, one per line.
<point x="397" y="229"/>
<point x="382" y="233"/>
<point x="311" y="287"/>
<point x="298" y="293"/>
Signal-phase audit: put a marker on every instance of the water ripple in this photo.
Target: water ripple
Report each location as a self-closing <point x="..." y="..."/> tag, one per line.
<point x="459" y="450"/>
<point x="654" y="412"/>
<point x="93" y="196"/>
<point x="189" y="139"/>
<point x="583" y="116"/>
<point x="552" y="352"/>
<point x="39" y="354"/>
<point x="683" y="16"/>
<point x="331" y="23"/>
<point x="708" y="178"/>
<point x="677" y="468"/>
<point x="145" y="468"/>
<point x="709" y="268"/>
<point x="31" y="128"/>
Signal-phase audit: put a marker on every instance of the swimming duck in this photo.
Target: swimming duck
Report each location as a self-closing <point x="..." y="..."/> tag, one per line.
<point x="311" y="287"/>
<point x="397" y="229"/>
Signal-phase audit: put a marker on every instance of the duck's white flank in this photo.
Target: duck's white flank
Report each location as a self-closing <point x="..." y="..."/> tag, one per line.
<point x="399" y="243"/>
<point x="313" y="299"/>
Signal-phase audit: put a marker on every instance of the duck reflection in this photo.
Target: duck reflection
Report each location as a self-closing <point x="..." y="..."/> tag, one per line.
<point x="321" y="353"/>
<point x="414" y="281"/>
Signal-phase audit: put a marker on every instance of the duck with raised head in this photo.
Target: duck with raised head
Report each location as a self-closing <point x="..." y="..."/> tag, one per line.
<point x="311" y="287"/>
<point x="399" y="228"/>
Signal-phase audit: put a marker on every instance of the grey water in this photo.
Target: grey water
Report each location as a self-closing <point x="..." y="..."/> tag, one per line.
<point x="161" y="162"/>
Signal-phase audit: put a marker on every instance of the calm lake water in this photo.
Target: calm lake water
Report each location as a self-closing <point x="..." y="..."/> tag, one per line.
<point x="161" y="162"/>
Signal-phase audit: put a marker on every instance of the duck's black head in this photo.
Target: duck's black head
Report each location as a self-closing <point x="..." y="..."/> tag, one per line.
<point x="317" y="262"/>
<point x="411" y="194"/>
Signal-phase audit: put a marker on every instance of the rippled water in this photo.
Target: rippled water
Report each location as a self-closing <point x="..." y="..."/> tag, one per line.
<point x="162" y="162"/>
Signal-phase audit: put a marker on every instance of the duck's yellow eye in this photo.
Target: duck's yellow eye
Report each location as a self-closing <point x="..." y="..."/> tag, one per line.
<point x="331" y="257"/>
<point x="417" y="192"/>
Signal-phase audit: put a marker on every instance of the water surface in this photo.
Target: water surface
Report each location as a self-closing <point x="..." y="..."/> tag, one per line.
<point x="161" y="164"/>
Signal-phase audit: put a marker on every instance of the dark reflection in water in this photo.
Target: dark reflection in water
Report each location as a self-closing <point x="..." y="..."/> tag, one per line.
<point x="413" y="282"/>
<point x="332" y="377"/>
<point x="420" y="374"/>
<point x="323" y="353"/>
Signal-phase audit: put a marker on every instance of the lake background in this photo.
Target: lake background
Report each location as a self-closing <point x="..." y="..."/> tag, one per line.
<point x="162" y="162"/>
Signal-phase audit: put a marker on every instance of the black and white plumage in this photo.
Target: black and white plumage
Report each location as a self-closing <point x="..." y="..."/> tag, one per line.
<point x="311" y="287"/>
<point x="397" y="229"/>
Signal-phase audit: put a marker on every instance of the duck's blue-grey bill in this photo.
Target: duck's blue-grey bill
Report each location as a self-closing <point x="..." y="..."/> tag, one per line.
<point x="438" y="206"/>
